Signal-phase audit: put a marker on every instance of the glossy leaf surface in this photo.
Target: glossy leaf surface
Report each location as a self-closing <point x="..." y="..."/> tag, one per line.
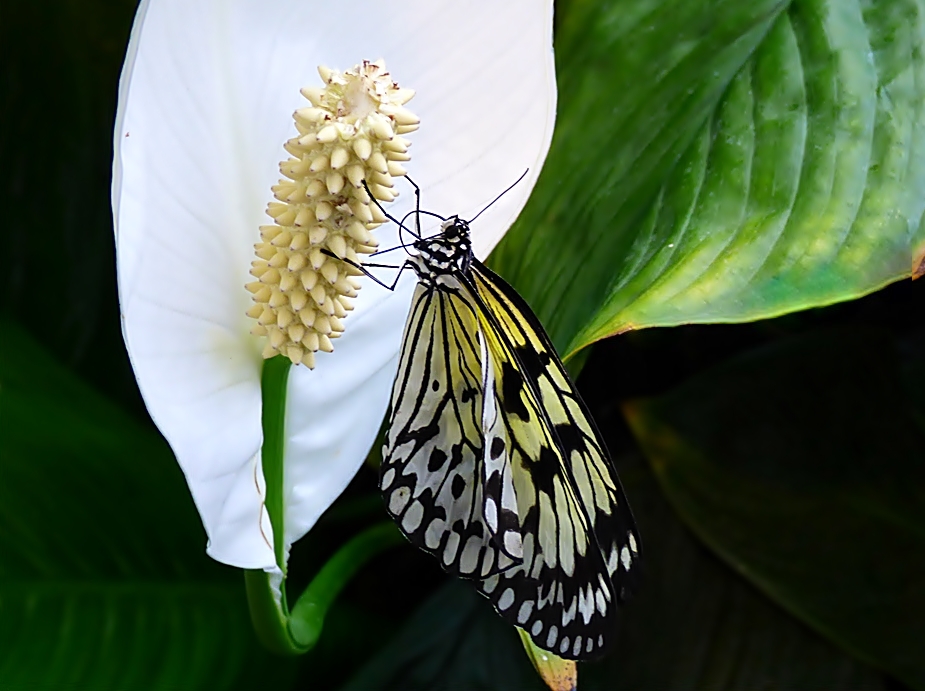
<point x="722" y="161"/>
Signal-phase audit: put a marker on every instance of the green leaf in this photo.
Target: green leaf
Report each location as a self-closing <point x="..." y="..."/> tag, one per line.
<point x="801" y="465"/>
<point x="453" y="641"/>
<point x="694" y="624"/>
<point x="104" y="581"/>
<point x="718" y="161"/>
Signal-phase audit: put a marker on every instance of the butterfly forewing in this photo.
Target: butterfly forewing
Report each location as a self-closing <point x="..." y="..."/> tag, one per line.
<point x="560" y="593"/>
<point x="589" y="464"/>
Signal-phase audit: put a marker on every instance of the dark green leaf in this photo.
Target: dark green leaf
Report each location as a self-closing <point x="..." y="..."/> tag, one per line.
<point x="801" y="465"/>
<point x="454" y="641"/>
<point x="104" y="582"/>
<point x="693" y="625"/>
<point x="719" y="161"/>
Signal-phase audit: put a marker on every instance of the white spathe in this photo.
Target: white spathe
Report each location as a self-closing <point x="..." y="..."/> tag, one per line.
<point x="205" y="104"/>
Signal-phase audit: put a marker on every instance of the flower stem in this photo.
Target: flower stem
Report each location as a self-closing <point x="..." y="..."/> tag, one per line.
<point x="273" y="381"/>
<point x="308" y="613"/>
<point x="297" y="632"/>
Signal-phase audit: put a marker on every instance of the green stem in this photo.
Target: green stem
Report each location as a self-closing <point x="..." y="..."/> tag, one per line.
<point x="308" y="613"/>
<point x="279" y="630"/>
<point x="297" y="632"/>
<point x="273" y="381"/>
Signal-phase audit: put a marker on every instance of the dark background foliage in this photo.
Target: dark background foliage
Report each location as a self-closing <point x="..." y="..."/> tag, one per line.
<point x="775" y="467"/>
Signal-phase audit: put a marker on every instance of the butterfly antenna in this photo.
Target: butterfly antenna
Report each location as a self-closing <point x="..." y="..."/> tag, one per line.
<point x="522" y="176"/>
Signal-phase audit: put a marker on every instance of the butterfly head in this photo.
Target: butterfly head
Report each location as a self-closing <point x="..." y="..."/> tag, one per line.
<point x="448" y="252"/>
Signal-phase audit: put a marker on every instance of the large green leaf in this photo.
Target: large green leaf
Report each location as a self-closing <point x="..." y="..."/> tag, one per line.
<point x="104" y="582"/>
<point x="719" y="161"/>
<point x="801" y="465"/>
<point x="694" y="624"/>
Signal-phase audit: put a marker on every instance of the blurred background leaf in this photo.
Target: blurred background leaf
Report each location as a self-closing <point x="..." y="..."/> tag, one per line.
<point x="724" y="161"/>
<point x="695" y="625"/>
<point x="801" y="465"/>
<point x="104" y="582"/>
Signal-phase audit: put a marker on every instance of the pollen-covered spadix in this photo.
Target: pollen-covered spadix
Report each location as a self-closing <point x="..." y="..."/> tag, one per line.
<point x="342" y="164"/>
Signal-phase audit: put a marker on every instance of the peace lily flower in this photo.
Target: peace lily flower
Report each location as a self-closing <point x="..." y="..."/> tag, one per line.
<point x="206" y="104"/>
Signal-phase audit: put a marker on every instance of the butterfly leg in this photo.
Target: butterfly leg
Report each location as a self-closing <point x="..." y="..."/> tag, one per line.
<point x="362" y="268"/>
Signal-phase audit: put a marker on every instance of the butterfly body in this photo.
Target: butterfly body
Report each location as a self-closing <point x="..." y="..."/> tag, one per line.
<point x="492" y="463"/>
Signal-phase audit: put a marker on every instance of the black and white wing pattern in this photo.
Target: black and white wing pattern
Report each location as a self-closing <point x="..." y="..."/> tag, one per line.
<point x="492" y="463"/>
<point x="432" y="464"/>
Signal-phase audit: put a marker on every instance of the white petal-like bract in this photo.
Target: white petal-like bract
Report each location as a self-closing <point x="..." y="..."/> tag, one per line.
<point x="206" y="101"/>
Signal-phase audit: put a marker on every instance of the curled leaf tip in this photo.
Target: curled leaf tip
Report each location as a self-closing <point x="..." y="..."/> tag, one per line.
<point x="558" y="673"/>
<point x="918" y="265"/>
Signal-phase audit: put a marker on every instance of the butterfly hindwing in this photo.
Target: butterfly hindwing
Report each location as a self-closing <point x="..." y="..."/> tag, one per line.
<point x="432" y="457"/>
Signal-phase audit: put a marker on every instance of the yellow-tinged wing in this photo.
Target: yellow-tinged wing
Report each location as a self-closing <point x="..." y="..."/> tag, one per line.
<point x="492" y="463"/>
<point x="580" y="549"/>
<point x="431" y="473"/>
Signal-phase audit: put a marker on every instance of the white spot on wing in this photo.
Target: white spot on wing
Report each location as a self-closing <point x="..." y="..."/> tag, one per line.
<point x="552" y="636"/>
<point x="625" y="558"/>
<point x="526" y="609"/>
<point x="537" y="628"/>
<point x="434" y="533"/>
<point x="470" y="555"/>
<point x="506" y="599"/>
<point x="490" y="583"/>
<point x="601" y="601"/>
<point x="513" y="544"/>
<point x="569" y="614"/>
<point x="399" y="499"/>
<point x="491" y="514"/>
<point x="411" y="521"/>
<point x="452" y="545"/>
<point x="612" y="560"/>
<point x="387" y="478"/>
<point x="586" y="605"/>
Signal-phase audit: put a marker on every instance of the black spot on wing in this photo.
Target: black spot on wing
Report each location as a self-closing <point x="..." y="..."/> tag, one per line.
<point x="497" y="447"/>
<point x="419" y="436"/>
<point x="569" y="435"/>
<point x="534" y="364"/>
<point x="456" y="454"/>
<point x="512" y="396"/>
<point x="458" y="486"/>
<point x="544" y="470"/>
<point x="437" y="459"/>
